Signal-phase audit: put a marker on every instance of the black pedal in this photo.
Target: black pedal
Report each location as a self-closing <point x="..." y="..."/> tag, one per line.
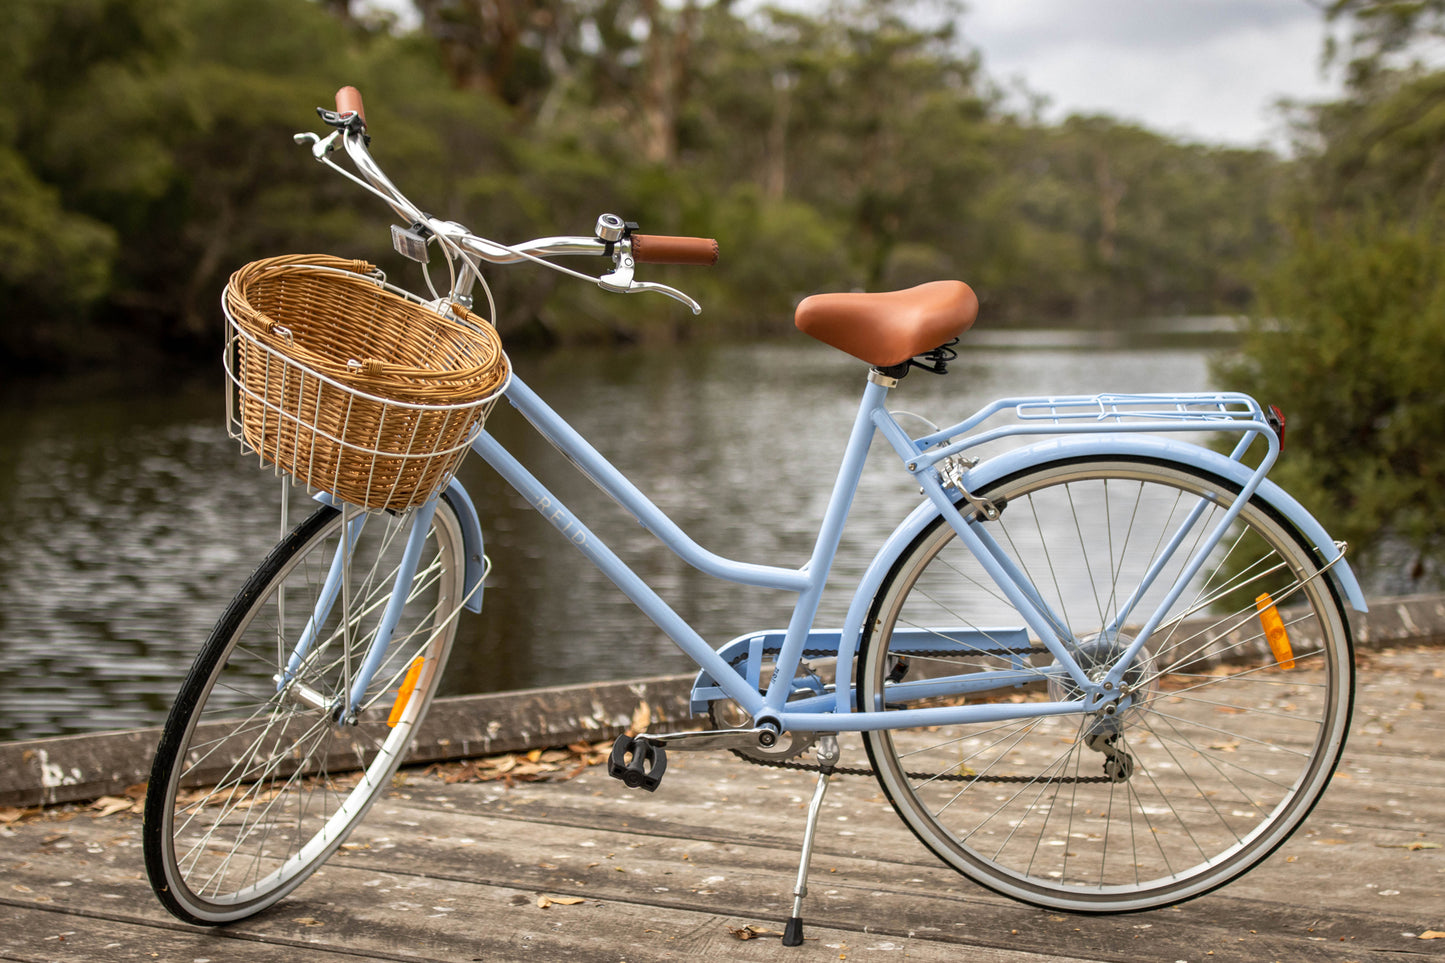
<point x="645" y="767"/>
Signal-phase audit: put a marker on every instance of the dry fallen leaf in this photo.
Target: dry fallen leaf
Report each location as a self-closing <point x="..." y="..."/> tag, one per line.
<point x="641" y="718"/>
<point x="9" y="814"/>
<point x="110" y="805"/>
<point x="545" y="901"/>
<point x="1414" y="847"/>
<point x="752" y="931"/>
<point x="552" y="765"/>
<point x="1432" y="935"/>
<point x="308" y="921"/>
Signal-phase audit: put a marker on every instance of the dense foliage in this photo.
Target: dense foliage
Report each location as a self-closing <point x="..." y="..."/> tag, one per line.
<point x="1350" y="334"/>
<point x="145" y="152"/>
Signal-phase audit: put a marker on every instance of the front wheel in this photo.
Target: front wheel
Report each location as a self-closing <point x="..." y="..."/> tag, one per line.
<point x="1238" y="705"/>
<point x="261" y="772"/>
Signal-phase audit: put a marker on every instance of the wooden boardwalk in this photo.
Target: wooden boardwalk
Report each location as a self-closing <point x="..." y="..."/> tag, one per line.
<point x="461" y="872"/>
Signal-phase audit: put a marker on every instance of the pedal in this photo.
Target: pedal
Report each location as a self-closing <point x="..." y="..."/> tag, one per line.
<point x="638" y="762"/>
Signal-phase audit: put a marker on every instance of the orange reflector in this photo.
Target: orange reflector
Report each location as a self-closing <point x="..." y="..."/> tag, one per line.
<point x="1274" y="631"/>
<point x="403" y="695"/>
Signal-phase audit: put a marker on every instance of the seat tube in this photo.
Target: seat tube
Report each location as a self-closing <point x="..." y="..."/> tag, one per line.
<point x="1016" y="587"/>
<point x="1009" y="581"/>
<point x="845" y="487"/>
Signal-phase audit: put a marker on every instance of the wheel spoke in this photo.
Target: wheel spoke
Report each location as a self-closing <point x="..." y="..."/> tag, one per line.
<point x="1214" y="755"/>
<point x="277" y="798"/>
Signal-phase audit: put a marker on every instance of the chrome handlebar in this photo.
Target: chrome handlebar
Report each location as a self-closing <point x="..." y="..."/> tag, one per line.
<point x="619" y="280"/>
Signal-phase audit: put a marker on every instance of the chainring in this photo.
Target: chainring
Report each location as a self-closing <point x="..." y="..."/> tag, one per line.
<point x="725" y="714"/>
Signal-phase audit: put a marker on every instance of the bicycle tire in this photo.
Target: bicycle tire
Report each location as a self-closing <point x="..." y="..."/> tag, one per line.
<point x="255" y="784"/>
<point x="1222" y="750"/>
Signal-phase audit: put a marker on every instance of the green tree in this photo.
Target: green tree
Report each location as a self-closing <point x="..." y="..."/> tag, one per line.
<point x="1098" y="219"/>
<point x="57" y="247"/>
<point x="1350" y="332"/>
<point x="1357" y="361"/>
<point x="146" y="153"/>
<point x="1383" y="35"/>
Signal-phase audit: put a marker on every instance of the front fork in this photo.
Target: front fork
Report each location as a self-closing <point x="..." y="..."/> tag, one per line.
<point x="346" y="706"/>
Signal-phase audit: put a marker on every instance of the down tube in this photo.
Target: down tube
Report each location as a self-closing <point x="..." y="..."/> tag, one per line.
<point x="615" y="569"/>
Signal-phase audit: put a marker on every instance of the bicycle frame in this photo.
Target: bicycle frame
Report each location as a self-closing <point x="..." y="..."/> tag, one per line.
<point x="1081" y="425"/>
<point x="1096" y="423"/>
<point x="1073" y="758"/>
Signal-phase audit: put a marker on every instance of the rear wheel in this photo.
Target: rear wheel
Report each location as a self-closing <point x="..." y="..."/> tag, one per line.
<point x="258" y="780"/>
<point x="1224" y="744"/>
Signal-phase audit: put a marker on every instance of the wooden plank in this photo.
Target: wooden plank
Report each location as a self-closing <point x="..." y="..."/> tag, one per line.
<point x="879" y="877"/>
<point x="357" y="911"/>
<point x="75" y="768"/>
<point x="33" y="933"/>
<point x="453" y="872"/>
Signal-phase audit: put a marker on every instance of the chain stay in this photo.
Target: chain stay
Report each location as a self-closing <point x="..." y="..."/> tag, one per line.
<point x="951" y="777"/>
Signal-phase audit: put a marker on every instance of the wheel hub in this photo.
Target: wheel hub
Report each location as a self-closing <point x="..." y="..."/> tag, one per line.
<point x="1097" y="655"/>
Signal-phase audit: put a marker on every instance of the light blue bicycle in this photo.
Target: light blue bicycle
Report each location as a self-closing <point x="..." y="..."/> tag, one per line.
<point x="1103" y="668"/>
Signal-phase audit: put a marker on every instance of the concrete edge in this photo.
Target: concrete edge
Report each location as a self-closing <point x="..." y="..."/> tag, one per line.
<point x="62" y="769"/>
<point x="66" y="769"/>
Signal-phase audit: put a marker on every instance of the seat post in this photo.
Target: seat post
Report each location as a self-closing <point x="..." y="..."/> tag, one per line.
<point x="887" y="377"/>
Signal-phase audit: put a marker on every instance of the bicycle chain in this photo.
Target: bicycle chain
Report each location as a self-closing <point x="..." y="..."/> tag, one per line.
<point x="937" y="777"/>
<point x="950" y="777"/>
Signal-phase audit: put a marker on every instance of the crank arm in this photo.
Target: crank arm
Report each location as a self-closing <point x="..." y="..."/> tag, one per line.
<point x="763" y="737"/>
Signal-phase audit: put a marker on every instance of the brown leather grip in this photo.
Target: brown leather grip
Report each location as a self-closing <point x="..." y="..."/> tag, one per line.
<point x="348" y="99"/>
<point x="666" y="249"/>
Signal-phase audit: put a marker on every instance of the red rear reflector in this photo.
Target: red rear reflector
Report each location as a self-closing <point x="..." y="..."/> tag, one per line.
<point x="1276" y="420"/>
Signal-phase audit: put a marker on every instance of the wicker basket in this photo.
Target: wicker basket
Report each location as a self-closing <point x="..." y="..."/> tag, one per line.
<point x="353" y="387"/>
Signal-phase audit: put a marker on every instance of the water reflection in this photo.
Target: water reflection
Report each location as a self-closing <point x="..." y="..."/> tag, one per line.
<point x="132" y="519"/>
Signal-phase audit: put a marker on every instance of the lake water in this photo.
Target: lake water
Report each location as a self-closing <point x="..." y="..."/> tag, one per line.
<point x="132" y="519"/>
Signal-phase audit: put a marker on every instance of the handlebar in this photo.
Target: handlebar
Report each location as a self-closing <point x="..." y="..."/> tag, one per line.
<point x="666" y="249"/>
<point x="624" y="246"/>
<point x="348" y="100"/>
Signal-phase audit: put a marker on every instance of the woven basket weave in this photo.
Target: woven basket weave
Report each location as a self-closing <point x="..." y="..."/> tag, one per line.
<point x="350" y="387"/>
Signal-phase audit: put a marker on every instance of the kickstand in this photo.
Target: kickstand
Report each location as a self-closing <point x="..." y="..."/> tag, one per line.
<point x="828" y="759"/>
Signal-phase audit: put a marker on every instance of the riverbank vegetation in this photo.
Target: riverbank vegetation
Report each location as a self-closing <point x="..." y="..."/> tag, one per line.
<point x="146" y="153"/>
<point x="1350" y="323"/>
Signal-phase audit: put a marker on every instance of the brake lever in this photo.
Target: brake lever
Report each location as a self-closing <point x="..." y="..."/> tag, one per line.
<point x="621" y="281"/>
<point x="319" y="147"/>
<point x="639" y="287"/>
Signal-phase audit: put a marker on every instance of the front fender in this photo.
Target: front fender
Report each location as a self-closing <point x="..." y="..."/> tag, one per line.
<point x="476" y="562"/>
<point x="475" y="558"/>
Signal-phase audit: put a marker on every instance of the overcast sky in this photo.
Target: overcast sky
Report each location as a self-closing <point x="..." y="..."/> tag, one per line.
<point x="1207" y="70"/>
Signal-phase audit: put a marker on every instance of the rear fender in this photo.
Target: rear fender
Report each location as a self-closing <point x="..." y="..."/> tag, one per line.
<point x="1193" y="456"/>
<point x="1090" y="445"/>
